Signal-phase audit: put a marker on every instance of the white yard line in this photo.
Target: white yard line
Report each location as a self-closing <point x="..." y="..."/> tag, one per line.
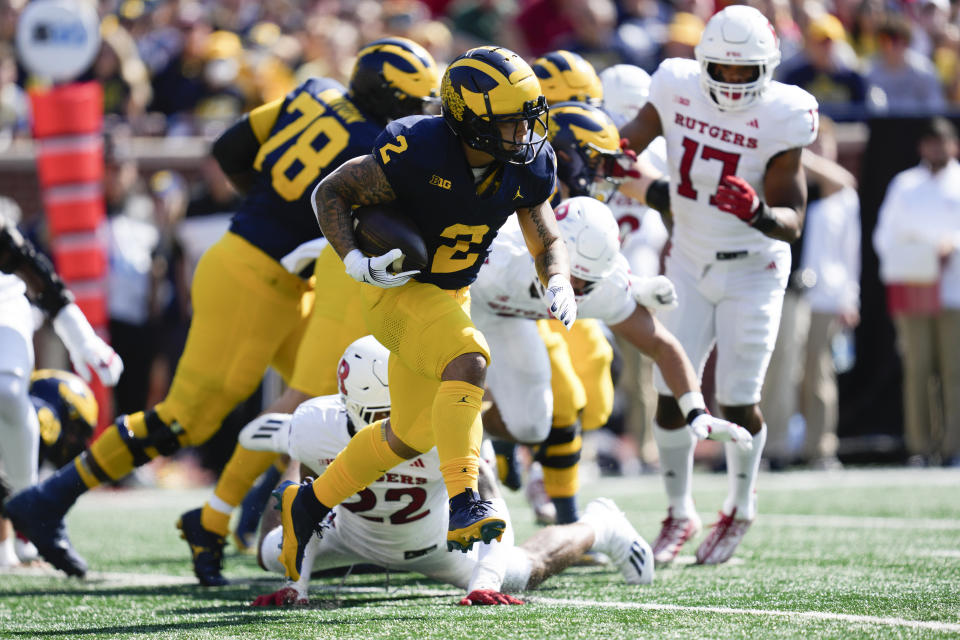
<point x="135" y="579"/>
<point x="808" y="615"/>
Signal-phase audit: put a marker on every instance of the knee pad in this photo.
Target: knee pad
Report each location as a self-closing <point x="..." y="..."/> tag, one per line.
<point x="562" y="448"/>
<point x="153" y="433"/>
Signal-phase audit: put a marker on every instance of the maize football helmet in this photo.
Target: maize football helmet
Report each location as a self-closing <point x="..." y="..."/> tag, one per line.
<point x="587" y="145"/>
<point x="491" y="86"/>
<point x="393" y="78"/>
<point x="566" y="76"/>
<point x="67" y="412"/>
<point x="738" y="35"/>
<point x="362" y="377"/>
<point x="592" y="237"/>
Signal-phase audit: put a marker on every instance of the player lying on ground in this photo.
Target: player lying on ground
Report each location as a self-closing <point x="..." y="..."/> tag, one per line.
<point x="400" y="520"/>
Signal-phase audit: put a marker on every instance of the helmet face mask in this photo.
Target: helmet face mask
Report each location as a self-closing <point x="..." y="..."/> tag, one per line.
<point x="740" y="36"/>
<point x="491" y="99"/>
<point x="588" y="148"/>
<point x="393" y="78"/>
<point x="362" y="380"/>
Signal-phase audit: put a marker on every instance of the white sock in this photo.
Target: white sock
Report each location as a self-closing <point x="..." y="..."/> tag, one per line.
<point x="601" y="531"/>
<point x="8" y="555"/>
<point x="217" y="504"/>
<point x="676" y="467"/>
<point x="492" y="558"/>
<point x="742" y="469"/>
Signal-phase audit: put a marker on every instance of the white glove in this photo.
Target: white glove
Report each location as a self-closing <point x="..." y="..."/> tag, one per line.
<point x="87" y="351"/>
<point x="561" y="300"/>
<point x="705" y="426"/>
<point x="374" y="270"/>
<point x="656" y="293"/>
<point x="301" y="257"/>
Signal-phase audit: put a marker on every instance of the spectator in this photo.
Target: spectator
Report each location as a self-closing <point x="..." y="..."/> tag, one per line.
<point x="825" y="69"/>
<point x="14" y="105"/>
<point x="595" y="35"/>
<point x="917" y="237"/>
<point x="906" y="79"/>
<point x="683" y="34"/>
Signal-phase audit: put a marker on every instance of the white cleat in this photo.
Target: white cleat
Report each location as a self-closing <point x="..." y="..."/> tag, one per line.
<point x="543" y="508"/>
<point x="269" y="432"/>
<point x="25" y="549"/>
<point x="723" y="539"/>
<point x="626" y="548"/>
<point x="674" y="533"/>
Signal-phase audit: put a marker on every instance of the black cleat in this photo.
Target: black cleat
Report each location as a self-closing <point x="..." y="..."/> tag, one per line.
<point x="40" y="519"/>
<point x="206" y="548"/>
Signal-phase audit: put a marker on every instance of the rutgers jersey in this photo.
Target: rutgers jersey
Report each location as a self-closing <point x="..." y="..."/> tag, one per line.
<point x="704" y="144"/>
<point x="508" y="285"/>
<point x="403" y="512"/>
<point x="11" y="286"/>
<point x="642" y="232"/>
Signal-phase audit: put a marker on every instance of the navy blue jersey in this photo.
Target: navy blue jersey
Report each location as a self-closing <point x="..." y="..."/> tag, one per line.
<point x="317" y="130"/>
<point x="458" y="218"/>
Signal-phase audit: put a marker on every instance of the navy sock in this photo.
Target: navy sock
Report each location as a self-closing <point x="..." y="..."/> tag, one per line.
<point x="64" y="486"/>
<point x="567" y="511"/>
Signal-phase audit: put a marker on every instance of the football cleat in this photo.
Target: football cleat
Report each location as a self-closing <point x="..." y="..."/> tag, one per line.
<point x="626" y="548"/>
<point x="723" y="539"/>
<point x="285" y="597"/>
<point x="488" y="597"/>
<point x="245" y="533"/>
<point x="298" y="525"/>
<point x="26" y="550"/>
<point x="206" y="547"/>
<point x="674" y="532"/>
<point x="40" y="519"/>
<point x="544" y="511"/>
<point x="472" y="520"/>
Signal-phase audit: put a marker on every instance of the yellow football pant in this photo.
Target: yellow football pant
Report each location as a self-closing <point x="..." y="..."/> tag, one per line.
<point x="248" y="313"/>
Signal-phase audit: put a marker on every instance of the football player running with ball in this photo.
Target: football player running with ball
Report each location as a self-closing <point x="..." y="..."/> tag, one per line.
<point x="459" y="177"/>
<point x="250" y="303"/>
<point x="737" y="192"/>
<point x="400" y="520"/>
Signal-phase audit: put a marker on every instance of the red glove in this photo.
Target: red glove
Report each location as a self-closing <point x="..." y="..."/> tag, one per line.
<point x="488" y="596"/>
<point x="736" y="196"/>
<point x="625" y="164"/>
<point x="282" y="598"/>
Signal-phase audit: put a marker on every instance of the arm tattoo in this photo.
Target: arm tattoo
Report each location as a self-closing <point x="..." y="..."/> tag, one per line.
<point x="360" y="182"/>
<point x="552" y="259"/>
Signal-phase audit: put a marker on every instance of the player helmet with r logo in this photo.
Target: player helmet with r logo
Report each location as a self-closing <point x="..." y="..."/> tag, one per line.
<point x="67" y="412"/>
<point x="592" y="237"/>
<point x="490" y="86"/>
<point x="742" y="36"/>
<point x="362" y="379"/>
<point x="587" y="145"/>
<point x="393" y="78"/>
<point x="566" y="76"/>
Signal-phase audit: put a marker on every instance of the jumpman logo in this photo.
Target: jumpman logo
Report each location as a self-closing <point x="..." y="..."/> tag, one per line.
<point x="519" y="195"/>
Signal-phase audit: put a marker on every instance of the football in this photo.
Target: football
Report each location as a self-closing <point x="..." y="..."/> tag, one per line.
<point x="382" y="227"/>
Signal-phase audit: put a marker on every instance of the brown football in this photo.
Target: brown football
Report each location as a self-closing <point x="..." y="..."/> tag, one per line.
<point x="380" y="228"/>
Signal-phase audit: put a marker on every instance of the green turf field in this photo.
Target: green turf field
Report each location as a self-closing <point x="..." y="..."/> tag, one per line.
<point x="856" y="554"/>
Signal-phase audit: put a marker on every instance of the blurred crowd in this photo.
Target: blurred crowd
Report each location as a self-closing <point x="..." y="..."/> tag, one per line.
<point x="186" y="67"/>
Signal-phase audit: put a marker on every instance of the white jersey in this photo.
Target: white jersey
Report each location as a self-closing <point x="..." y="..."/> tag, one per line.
<point x="11" y="286"/>
<point x="705" y="143"/>
<point x="400" y="514"/>
<point x="508" y="285"/>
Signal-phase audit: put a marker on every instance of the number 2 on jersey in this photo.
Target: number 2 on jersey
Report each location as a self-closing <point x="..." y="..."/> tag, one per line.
<point x="303" y="155"/>
<point x="448" y="259"/>
<point x="690" y="147"/>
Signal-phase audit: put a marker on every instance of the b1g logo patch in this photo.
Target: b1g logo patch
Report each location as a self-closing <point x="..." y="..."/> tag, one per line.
<point x="437" y="181"/>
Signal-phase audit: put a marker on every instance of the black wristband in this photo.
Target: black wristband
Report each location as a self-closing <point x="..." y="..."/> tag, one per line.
<point x="764" y="220"/>
<point x="658" y="196"/>
<point x="694" y="413"/>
